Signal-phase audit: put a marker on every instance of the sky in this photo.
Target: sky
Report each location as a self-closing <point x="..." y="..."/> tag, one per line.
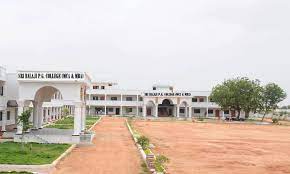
<point x="191" y="44"/>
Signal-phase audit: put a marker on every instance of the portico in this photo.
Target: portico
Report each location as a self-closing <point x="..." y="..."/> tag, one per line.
<point x="59" y="89"/>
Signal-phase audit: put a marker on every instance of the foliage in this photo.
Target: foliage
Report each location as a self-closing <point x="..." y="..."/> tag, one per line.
<point x="143" y="141"/>
<point x="24" y="119"/>
<point x="65" y="111"/>
<point x="275" y="120"/>
<point x="14" y="172"/>
<point x="68" y="123"/>
<point x="11" y="153"/>
<point x="159" y="163"/>
<point x="272" y="95"/>
<point x="238" y="94"/>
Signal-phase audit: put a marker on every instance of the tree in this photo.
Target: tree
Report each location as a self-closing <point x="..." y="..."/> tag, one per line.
<point x="23" y="119"/>
<point x="238" y="94"/>
<point x="272" y="95"/>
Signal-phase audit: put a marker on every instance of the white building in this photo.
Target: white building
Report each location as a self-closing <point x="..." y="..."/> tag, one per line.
<point x="48" y="92"/>
<point x="161" y="101"/>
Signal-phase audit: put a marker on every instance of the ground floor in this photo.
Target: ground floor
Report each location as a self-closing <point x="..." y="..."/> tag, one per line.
<point x="219" y="148"/>
<point x="159" y="111"/>
<point x="113" y="151"/>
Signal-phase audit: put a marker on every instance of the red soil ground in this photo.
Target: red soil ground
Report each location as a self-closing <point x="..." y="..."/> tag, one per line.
<point x="113" y="152"/>
<point x="208" y="148"/>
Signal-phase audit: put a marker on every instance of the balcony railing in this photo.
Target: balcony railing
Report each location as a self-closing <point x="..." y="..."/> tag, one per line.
<point x="113" y="103"/>
<point x="204" y="105"/>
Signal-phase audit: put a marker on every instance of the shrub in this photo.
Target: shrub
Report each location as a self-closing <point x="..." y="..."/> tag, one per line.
<point x="159" y="163"/>
<point x="275" y="120"/>
<point x="143" y="141"/>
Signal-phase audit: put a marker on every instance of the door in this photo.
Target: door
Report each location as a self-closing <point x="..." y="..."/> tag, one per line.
<point x="217" y="113"/>
<point x="149" y="111"/>
<point x="117" y="111"/>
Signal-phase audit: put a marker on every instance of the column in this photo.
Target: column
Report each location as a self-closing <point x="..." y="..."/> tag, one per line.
<point x="207" y="103"/>
<point x="137" y="107"/>
<point x="105" y="104"/>
<point x="177" y="111"/>
<point x="20" y="109"/>
<point x="144" y="111"/>
<point x="77" y="119"/>
<point x="121" y="110"/>
<point x="35" y="116"/>
<point x="84" y="118"/>
<point x="156" y="110"/>
<point x="189" y="112"/>
<point x="223" y="114"/>
<point x="4" y="118"/>
<point x="40" y="117"/>
<point x="185" y="110"/>
<point x="46" y="114"/>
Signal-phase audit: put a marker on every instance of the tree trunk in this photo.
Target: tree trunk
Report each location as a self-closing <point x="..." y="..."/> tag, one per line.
<point x="264" y="116"/>
<point x="239" y="113"/>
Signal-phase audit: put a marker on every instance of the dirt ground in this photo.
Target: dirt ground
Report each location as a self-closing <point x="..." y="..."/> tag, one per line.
<point x="113" y="152"/>
<point x="209" y="148"/>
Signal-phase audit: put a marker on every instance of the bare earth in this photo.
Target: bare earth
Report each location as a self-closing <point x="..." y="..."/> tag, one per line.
<point x="220" y="148"/>
<point x="113" y="152"/>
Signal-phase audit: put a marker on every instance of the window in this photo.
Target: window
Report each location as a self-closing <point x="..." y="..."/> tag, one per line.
<point x="194" y="99"/>
<point x="140" y="109"/>
<point x="0" y="116"/>
<point x="95" y="87"/>
<point x="196" y="111"/>
<point x="102" y="98"/>
<point x="102" y="87"/>
<point x="181" y="110"/>
<point x="211" y="100"/>
<point x="8" y="115"/>
<point x="140" y="99"/>
<point x="210" y="111"/>
<point x="2" y="91"/>
<point x="114" y="98"/>
<point x="129" y="110"/>
<point x="129" y="99"/>
<point x="154" y="88"/>
<point x="111" y="109"/>
<point x="110" y="84"/>
<point x="201" y="99"/>
<point x="227" y="112"/>
<point x="95" y="98"/>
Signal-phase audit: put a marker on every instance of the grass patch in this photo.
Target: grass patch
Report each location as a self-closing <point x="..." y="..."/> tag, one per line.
<point x="13" y="172"/>
<point x="68" y="123"/>
<point x="33" y="153"/>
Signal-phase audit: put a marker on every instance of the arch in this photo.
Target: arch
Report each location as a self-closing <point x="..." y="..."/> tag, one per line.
<point x="165" y="109"/>
<point x="184" y="104"/>
<point x="45" y="94"/>
<point x="150" y="103"/>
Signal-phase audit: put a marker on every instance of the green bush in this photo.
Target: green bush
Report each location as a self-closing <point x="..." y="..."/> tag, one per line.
<point x="275" y="120"/>
<point x="159" y="163"/>
<point x="143" y="141"/>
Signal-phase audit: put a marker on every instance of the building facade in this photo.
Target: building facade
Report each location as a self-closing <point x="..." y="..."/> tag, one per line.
<point x="49" y="92"/>
<point x="161" y="101"/>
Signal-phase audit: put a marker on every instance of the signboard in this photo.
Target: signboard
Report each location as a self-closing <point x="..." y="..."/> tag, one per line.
<point x="167" y="94"/>
<point x="50" y="76"/>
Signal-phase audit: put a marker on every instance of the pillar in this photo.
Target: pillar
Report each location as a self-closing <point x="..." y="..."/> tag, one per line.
<point x="137" y="107"/>
<point x="4" y="118"/>
<point x="46" y="114"/>
<point x="121" y="110"/>
<point x="186" y="112"/>
<point x="189" y="112"/>
<point x="40" y="117"/>
<point x="177" y="111"/>
<point x="35" y="115"/>
<point x="144" y="111"/>
<point x="20" y="109"/>
<point x="83" y="118"/>
<point x="156" y="110"/>
<point x="105" y="110"/>
<point x="77" y="119"/>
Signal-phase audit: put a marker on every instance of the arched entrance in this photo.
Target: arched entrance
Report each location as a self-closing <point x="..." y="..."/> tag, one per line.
<point x="150" y="109"/>
<point x="165" y="109"/>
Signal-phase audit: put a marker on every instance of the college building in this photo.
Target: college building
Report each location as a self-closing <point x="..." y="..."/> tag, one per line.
<point x="49" y="92"/>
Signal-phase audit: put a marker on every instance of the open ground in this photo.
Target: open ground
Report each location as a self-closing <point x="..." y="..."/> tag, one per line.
<point x="219" y="148"/>
<point x="113" y="151"/>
